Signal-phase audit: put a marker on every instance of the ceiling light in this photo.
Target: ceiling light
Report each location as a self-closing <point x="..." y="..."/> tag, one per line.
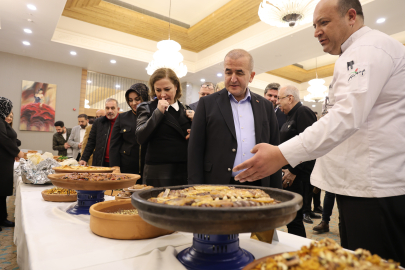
<point x="28" y="31"/>
<point x="202" y="80"/>
<point x="317" y="90"/>
<point x="113" y="61"/>
<point x="117" y="86"/>
<point x="188" y="85"/>
<point x="88" y="81"/>
<point x="29" y="20"/>
<point x="219" y="74"/>
<point x="313" y="105"/>
<point x="381" y="20"/>
<point x="26" y="43"/>
<point x="86" y="104"/>
<point x="73" y="53"/>
<point x="283" y="13"/>
<point x="32" y="7"/>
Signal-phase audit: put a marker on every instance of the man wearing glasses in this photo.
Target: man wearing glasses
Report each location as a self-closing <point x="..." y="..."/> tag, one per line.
<point x="205" y="90"/>
<point x="271" y="94"/>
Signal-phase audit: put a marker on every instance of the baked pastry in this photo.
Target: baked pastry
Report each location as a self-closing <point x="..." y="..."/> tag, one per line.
<point x="94" y="177"/>
<point x="214" y="196"/>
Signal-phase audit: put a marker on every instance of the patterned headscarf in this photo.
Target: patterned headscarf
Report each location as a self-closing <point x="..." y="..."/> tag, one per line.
<point x="5" y="107"/>
<point x="141" y="89"/>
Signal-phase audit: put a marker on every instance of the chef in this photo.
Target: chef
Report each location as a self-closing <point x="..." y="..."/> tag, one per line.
<point x="359" y="144"/>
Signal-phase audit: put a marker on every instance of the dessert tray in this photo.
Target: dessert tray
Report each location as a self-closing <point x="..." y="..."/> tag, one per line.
<point x="82" y="169"/>
<point x="59" y="195"/>
<point x="216" y="229"/>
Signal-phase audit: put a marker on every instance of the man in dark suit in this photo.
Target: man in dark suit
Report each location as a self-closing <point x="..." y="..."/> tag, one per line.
<point x="228" y="124"/>
<point x="271" y="94"/>
<point x="206" y="89"/>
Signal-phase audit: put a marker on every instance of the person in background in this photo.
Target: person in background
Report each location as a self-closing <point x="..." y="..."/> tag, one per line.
<point x="77" y="135"/>
<point x="100" y="136"/>
<point x="126" y="155"/>
<point x="60" y="140"/>
<point x="8" y="153"/>
<point x="271" y="94"/>
<point x="219" y="86"/>
<point x="206" y="89"/>
<point x="164" y="126"/>
<point x="99" y="113"/>
<point x="9" y="120"/>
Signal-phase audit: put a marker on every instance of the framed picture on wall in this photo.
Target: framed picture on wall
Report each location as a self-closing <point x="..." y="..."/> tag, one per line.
<point x="38" y="102"/>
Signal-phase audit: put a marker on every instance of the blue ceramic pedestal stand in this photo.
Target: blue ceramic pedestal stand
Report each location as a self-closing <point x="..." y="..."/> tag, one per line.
<point x="215" y="252"/>
<point x="85" y="199"/>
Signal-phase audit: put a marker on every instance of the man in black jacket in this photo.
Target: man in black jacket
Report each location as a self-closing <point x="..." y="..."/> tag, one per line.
<point x="227" y="124"/>
<point x="206" y="89"/>
<point x="271" y="94"/>
<point x="60" y="138"/>
<point x="297" y="179"/>
<point x="100" y="135"/>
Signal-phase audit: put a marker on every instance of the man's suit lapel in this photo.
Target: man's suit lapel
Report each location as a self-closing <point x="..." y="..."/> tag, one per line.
<point x="257" y="115"/>
<point x="226" y="110"/>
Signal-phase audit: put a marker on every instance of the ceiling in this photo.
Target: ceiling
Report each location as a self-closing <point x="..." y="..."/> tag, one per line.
<point x="55" y="35"/>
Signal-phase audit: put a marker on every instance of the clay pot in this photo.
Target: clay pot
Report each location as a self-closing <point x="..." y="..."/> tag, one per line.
<point x="115" y="226"/>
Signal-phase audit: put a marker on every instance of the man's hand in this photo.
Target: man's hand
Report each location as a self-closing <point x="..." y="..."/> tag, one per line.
<point x="66" y="145"/>
<point x="80" y="145"/>
<point x="190" y="114"/>
<point x="20" y="155"/>
<point x="188" y="135"/>
<point x="116" y="169"/>
<point x="82" y="162"/>
<point x="163" y="105"/>
<point x="288" y="178"/>
<point x="267" y="160"/>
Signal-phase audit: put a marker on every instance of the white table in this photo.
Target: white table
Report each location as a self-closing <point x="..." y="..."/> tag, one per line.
<point x="48" y="238"/>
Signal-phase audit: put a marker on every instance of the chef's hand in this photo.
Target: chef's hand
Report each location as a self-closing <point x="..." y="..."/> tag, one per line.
<point x="83" y="163"/>
<point x="188" y="135"/>
<point x="116" y="169"/>
<point x="267" y="160"/>
<point x="66" y="145"/>
<point x="288" y="178"/>
<point x="163" y="105"/>
<point x="190" y="114"/>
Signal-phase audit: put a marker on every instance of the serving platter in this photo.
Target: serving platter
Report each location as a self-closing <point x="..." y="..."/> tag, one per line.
<point x="100" y="170"/>
<point x="59" y="197"/>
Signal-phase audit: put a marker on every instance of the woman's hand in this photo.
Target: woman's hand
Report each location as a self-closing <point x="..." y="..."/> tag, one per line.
<point x="163" y="105"/>
<point x="288" y="178"/>
<point x="190" y="114"/>
<point x="188" y="135"/>
<point x="20" y="155"/>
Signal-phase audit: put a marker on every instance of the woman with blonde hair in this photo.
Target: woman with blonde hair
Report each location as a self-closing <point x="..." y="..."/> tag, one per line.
<point x="164" y="125"/>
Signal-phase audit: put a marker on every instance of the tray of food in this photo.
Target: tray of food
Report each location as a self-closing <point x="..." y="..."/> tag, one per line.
<point x="93" y="181"/>
<point x="82" y="169"/>
<point x="138" y="187"/>
<point x="217" y="209"/>
<point x="123" y="195"/>
<point x="120" y="220"/>
<point x="59" y="195"/>
<point x="325" y="254"/>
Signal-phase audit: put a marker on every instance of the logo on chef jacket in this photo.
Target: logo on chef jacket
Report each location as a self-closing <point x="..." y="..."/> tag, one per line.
<point x="355" y="73"/>
<point x="350" y="65"/>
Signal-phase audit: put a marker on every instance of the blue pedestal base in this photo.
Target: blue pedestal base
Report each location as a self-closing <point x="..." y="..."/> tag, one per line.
<point x="85" y="199"/>
<point x="215" y="252"/>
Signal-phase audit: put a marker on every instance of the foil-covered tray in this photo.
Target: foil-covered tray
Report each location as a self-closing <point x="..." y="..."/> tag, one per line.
<point x="36" y="174"/>
<point x="218" y="220"/>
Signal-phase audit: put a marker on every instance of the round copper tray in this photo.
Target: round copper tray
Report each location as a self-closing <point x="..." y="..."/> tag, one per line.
<point x="59" y="197"/>
<point x="106" y="170"/>
<point x="93" y="185"/>
<point x="253" y="264"/>
<point x="218" y="220"/>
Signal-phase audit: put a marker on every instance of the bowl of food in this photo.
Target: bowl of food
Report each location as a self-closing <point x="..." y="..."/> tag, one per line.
<point x="82" y="169"/>
<point x="59" y="195"/>
<point x="120" y="220"/>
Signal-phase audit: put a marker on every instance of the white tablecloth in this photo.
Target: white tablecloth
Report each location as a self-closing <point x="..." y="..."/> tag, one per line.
<point x="48" y="238"/>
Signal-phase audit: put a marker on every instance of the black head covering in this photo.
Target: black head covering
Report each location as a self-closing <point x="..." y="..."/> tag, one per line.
<point x="141" y="89"/>
<point x="5" y="107"/>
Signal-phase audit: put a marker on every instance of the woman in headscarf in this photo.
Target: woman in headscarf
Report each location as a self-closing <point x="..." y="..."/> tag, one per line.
<point x="164" y="125"/>
<point x="8" y="152"/>
<point x="125" y="152"/>
<point x="9" y="120"/>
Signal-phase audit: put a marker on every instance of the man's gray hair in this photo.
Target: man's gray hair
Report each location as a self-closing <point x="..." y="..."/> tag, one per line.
<point x="238" y="53"/>
<point x="274" y="86"/>
<point x="112" y="99"/>
<point x="293" y="91"/>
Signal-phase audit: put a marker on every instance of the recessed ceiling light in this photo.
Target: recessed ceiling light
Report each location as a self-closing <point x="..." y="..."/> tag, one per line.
<point x="219" y="74"/>
<point x="32" y="7"/>
<point x="188" y="85"/>
<point x="88" y="81"/>
<point x="28" y="31"/>
<point x="381" y="20"/>
<point x="113" y="61"/>
<point x="202" y="80"/>
<point x="313" y="105"/>
<point x="73" y="53"/>
<point x="117" y="86"/>
<point x="26" y="43"/>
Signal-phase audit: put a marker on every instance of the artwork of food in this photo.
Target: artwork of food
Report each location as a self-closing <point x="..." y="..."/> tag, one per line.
<point x="94" y="177"/>
<point x="59" y="191"/>
<point x="214" y="196"/>
<point x="326" y="254"/>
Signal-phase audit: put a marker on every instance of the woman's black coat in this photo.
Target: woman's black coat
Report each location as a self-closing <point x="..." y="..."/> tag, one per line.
<point x="125" y="151"/>
<point x="8" y="151"/>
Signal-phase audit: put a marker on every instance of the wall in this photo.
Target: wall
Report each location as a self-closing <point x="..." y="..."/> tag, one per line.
<point x="14" y="69"/>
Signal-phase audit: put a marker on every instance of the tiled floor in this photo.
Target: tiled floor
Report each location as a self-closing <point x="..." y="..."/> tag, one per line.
<point x="8" y="251"/>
